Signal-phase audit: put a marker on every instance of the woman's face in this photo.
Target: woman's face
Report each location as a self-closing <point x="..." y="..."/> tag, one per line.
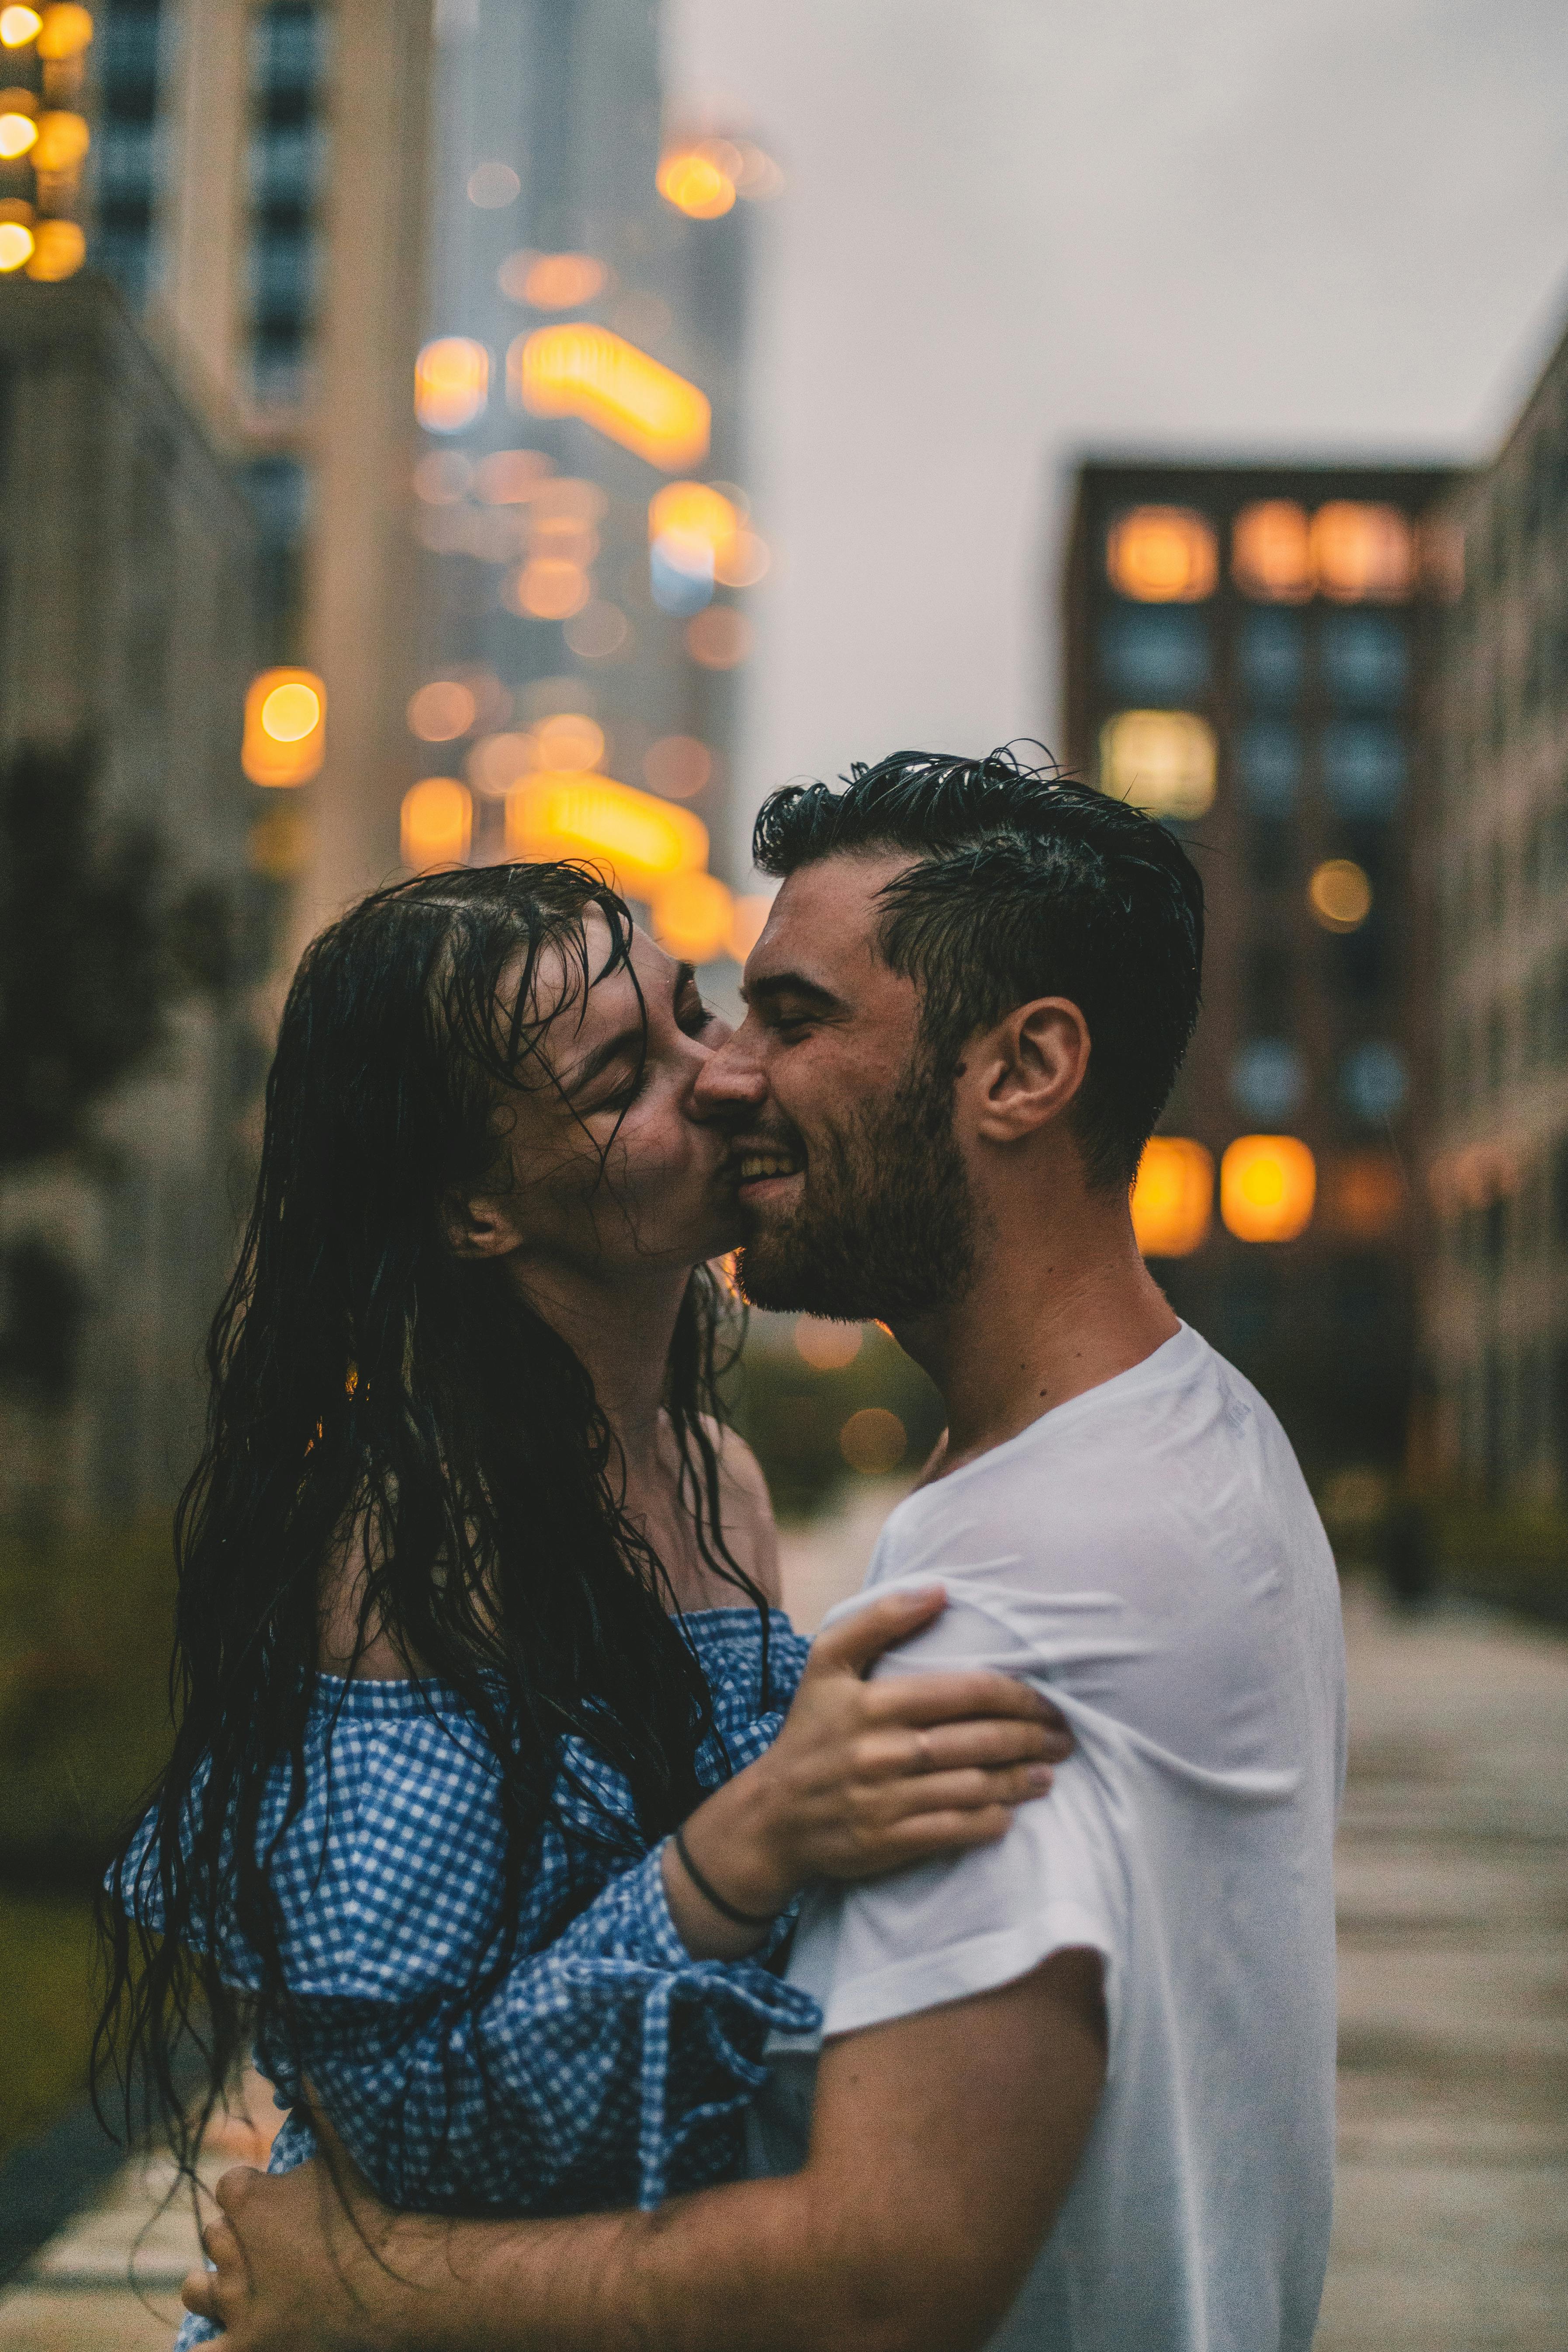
<point x="611" y="1170"/>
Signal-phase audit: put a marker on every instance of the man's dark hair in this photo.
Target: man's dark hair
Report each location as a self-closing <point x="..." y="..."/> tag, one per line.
<point x="1026" y="884"/>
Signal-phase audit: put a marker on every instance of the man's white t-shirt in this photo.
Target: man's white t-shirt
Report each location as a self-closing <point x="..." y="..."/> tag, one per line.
<point x="1149" y="1554"/>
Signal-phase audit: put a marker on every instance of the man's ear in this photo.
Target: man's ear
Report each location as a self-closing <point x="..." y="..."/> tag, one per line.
<point x="1029" y="1068"/>
<point x="479" y="1227"/>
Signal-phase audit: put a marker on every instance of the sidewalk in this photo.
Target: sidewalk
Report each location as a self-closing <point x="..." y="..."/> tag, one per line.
<point x="1452" y="2229"/>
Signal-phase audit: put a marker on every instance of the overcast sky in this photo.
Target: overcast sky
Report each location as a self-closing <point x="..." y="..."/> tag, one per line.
<point x="1018" y="229"/>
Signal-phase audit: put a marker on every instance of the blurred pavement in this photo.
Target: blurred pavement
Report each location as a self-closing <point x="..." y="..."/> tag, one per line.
<point x="1452" y="2227"/>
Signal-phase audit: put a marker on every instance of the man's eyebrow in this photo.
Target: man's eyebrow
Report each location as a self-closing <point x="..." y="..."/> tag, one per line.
<point x="775" y="984"/>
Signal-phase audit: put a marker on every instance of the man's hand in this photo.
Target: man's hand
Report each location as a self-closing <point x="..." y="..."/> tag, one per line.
<point x="942" y="2145"/>
<point x="310" y="2259"/>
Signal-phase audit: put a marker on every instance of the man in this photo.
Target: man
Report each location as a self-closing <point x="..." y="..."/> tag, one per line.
<point x="1075" y="2089"/>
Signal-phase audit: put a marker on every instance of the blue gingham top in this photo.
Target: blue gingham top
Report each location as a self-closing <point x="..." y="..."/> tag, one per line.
<point x="609" y="2067"/>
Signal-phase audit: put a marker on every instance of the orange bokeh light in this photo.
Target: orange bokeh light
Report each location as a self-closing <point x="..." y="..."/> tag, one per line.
<point x="1172" y="1200"/>
<point x="1363" y="554"/>
<point x="691" y="917"/>
<point x="451" y="384"/>
<point x="827" y="1347"/>
<point x="442" y="712"/>
<point x="677" y="766"/>
<point x="285" y="740"/>
<point x="437" y="823"/>
<point x="719" y="638"/>
<point x="1267" y="1185"/>
<point x="1364" y="1195"/>
<point x="551" y="281"/>
<point x="644" y="841"/>
<point x="748" y="924"/>
<point x="695" y="181"/>
<point x="587" y="371"/>
<point x="1162" y="555"/>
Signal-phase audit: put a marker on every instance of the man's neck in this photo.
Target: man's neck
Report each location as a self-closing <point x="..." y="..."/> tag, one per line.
<point x="1058" y="1311"/>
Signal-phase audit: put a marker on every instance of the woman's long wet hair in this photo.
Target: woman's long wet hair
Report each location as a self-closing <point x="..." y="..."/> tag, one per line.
<point x="370" y="1387"/>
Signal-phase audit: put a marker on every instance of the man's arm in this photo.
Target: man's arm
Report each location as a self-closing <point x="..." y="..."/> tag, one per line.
<point x="942" y="2145"/>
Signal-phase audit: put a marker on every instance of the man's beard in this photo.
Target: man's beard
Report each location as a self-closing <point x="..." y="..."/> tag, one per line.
<point x="886" y="1230"/>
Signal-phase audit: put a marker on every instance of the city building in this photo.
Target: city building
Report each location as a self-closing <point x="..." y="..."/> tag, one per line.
<point x="128" y="635"/>
<point x="587" y="542"/>
<point x="1252" y="654"/>
<point x="393" y="251"/>
<point x="1497" y="1306"/>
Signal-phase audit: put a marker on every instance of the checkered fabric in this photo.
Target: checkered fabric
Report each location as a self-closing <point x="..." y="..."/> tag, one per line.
<point x="609" y="2067"/>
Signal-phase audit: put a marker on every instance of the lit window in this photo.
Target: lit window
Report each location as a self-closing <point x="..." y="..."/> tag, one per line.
<point x="1172" y="1200"/>
<point x="1268" y="1185"/>
<point x="587" y="371"/>
<point x="1162" y="555"/>
<point x="61" y="143"/>
<point x="436" y="825"/>
<point x="1269" y="1078"/>
<point x="1154" y="657"/>
<point x="60" y="250"/>
<point x="1364" y="1195"/>
<point x="644" y="841"/>
<point x="1374" y="1080"/>
<point x="451" y="384"/>
<point x="1268" y="766"/>
<point x="15" y="243"/>
<point x="1271" y="553"/>
<point x="285" y="740"/>
<point x="1270" y="651"/>
<point x="1364" y="768"/>
<point x="1365" y="662"/>
<point x="65" y="32"/>
<point x="1340" y="895"/>
<point x="691" y="917"/>
<point x="1361" y="553"/>
<point x="551" y="281"/>
<point x="1161" y="761"/>
<point x="700" y="181"/>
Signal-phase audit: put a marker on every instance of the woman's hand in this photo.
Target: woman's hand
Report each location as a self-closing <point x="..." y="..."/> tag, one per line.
<point x="864" y="1777"/>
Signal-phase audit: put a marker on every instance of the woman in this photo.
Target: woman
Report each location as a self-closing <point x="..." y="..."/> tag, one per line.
<point x="480" y="1819"/>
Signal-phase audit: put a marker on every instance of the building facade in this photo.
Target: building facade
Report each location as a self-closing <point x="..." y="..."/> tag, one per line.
<point x="1497" y="1303"/>
<point x="129" y="629"/>
<point x="326" y="211"/>
<point x="1252" y="654"/>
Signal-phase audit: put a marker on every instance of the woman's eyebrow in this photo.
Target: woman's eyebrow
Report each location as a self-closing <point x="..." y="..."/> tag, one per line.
<point x="628" y="1041"/>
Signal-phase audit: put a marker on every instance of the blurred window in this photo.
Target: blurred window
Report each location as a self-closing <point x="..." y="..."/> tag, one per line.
<point x="1365" y="660"/>
<point x="1268" y="766"/>
<point x="1269" y="659"/>
<point x="1155" y="656"/>
<point x="1162" y="555"/>
<point x="1270" y="552"/>
<point x="287" y="163"/>
<point x="1269" y="1078"/>
<point x="125" y="155"/>
<point x="1364" y="768"/>
<point x="1375" y="1079"/>
<point x="1161" y="761"/>
<point x="1271" y="853"/>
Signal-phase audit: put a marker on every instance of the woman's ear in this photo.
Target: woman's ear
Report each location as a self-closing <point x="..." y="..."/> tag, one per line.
<point x="479" y="1227"/>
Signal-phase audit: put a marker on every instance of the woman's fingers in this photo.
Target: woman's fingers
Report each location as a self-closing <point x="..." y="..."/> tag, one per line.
<point x="901" y="1752"/>
<point x="946" y="1698"/>
<point x="924" y="1836"/>
<point x="968" y="1791"/>
<point x="863" y="1636"/>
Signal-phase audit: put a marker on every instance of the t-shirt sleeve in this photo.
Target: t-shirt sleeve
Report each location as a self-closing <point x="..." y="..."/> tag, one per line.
<point x="947" y="1930"/>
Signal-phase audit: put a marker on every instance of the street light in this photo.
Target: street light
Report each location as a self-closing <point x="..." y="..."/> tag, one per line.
<point x="285" y="727"/>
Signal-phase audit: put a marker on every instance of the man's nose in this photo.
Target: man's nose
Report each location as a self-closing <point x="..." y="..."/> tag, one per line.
<point x="730" y="1085"/>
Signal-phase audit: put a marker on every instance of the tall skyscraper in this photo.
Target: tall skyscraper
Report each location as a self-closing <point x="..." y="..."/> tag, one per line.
<point x="335" y="214"/>
<point x="1251" y="655"/>
<point x="1497" y="1305"/>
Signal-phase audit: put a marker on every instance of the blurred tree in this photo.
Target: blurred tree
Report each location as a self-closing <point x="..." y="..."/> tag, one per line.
<point x="85" y="971"/>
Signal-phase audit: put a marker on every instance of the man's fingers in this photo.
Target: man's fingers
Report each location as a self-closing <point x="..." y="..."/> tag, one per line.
<point x="967" y="1792"/>
<point x="198" y="2293"/>
<point x="234" y="2186"/>
<point x="946" y="1698"/>
<point x="865" y="1634"/>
